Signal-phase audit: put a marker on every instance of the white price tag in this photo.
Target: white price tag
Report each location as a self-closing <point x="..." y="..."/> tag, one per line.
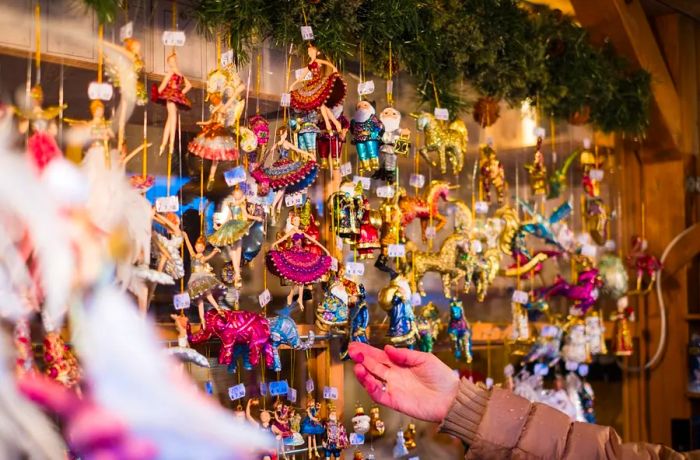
<point x="339" y="243"/>
<point x="310" y="386"/>
<point x="541" y="369"/>
<point x="430" y="232"/>
<point x="285" y="100"/>
<point x="476" y="246"/>
<point x="354" y="269"/>
<point x="126" y="31"/>
<point x="302" y="74"/>
<point x="174" y="38"/>
<point x="227" y="58"/>
<point x="596" y="174"/>
<point x="441" y="114"/>
<point x="417" y="180"/>
<point x="357" y="439"/>
<point x="389" y="86"/>
<point x="295" y="199"/>
<point x="582" y="370"/>
<point x="365" y="87"/>
<point x="397" y="250"/>
<point x="100" y="91"/>
<point x="588" y="250"/>
<point x="236" y="392"/>
<point x="181" y="301"/>
<point x="235" y="176"/>
<point x="489" y="383"/>
<point x="610" y="245"/>
<point x="386" y="191"/>
<point x="168" y="204"/>
<point x="520" y="297"/>
<point x="292" y="395"/>
<point x="366" y="182"/>
<point x="264" y="298"/>
<point x="346" y="169"/>
<point x="414" y="458"/>
<point x="307" y="33"/>
<point x="481" y="207"/>
<point x="334" y="264"/>
<point x="330" y="393"/>
<point x="416" y="299"/>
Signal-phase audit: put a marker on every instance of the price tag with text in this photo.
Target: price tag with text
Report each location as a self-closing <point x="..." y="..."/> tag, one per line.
<point x="365" y="87"/>
<point x="386" y="191"/>
<point x="346" y="169"/>
<point x="417" y="180"/>
<point x="441" y="114"/>
<point x="174" y="38"/>
<point x="481" y="207"/>
<point x="589" y="250"/>
<point x="334" y="264"/>
<point x="100" y="91"/>
<point x="168" y="204"/>
<point x="520" y="297"/>
<point x="264" y="298"/>
<point x="236" y="392"/>
<point x="357" y="439"/>
<point x="126" y="31"/>
<point x="181" y="301"/>
<point x="354" y="269"/>
<point x="292" y="395"/>
<point x="263" y="389"/>
<point x="366" y="182"/>
<point x="295" y="199"/>
<point x="310" y="386"/>
<point x="307" y="33"/>
<point x="227" y="58"/>
<point x="397" y="250"/>
<point x="278" y="388"/>
<point x="430" y="232"/>
<point x="235" y="176"/>
<point x="285" y="99"/>
<point x="597" y="174"/>
<point x="416" y="299"/>
<point x="330" y="393"/>
<point x="339" y="243"/>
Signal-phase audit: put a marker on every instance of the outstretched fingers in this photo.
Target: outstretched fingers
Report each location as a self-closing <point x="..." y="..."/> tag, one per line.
<point x="404" y="357"/>
<point x="361" y="352"/>
<point x="378" y="391"/>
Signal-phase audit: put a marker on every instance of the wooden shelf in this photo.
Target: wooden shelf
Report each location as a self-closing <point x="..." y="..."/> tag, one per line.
<point x="693" y="394"/>
<point x="692" y="317"/>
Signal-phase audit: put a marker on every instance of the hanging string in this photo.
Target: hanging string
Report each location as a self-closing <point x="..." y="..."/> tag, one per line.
<point x="100" y="53"/>
<point x="144" y="158"/>
<point x="218" y="51"/>
<point x="258" y="76"/>
<point x="435" y="91"/>
<point x="390" y="94"/>
<point x="60" y="104"/>
<point x="37" y="43"/>
<point x="201" y="196"/>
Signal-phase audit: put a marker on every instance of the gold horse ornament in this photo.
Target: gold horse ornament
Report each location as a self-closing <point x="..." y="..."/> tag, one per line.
<point x="445" y="140"/>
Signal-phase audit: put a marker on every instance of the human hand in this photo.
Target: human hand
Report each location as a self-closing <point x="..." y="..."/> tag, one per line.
<point x="415" y="383"/>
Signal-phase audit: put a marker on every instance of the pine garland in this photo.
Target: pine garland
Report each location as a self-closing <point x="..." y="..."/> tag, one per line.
<point x="503" y="49"/>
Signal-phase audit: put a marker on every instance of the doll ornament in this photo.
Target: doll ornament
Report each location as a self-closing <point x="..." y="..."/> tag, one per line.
<point x="296" y="264"/>
<point x="429" y="327"/>
<point x="395" y="299"/>
<point x="400" y="449"/>
<point x="172" y="93"/>
<point x="202" y="283"/>
<point x="361" y="421"/>
<point x="376" y="424"/>
<point x="335" y="438"/>
<point x="237" y="224"/>
<point x="312" y="427"/>
<point x="320" y="92"/>
<point x="460" y="332"/>
<point x="305" y="126"/>
<point x="537" y="172"/>
<point x="491" y="174"/>
<point x="329" y="144"/>
<point x="366" y="131"/>
<point x="394" y="142"/>
<point x="624" y="314"/>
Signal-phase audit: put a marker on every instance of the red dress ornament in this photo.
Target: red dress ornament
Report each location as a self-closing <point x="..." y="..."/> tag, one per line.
<point x="172" y="93"/>
<point x="61" y="364"/>
<point x="369" y="235"/>
<point x="319" y="90"/>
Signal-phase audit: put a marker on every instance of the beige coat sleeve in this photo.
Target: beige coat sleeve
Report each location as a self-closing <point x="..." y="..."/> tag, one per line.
<point x="497" y="424"/>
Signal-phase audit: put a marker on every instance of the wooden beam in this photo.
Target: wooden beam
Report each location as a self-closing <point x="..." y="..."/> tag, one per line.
<point x="627" y="28"/>
<point x="687" y="7"/>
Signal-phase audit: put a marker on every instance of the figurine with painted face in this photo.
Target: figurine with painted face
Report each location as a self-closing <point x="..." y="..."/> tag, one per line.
<point x="203" y="284"/>
<point x="329" y="144"/>
<point x="311" y="425"/>
<point x="366" y="131"/>
<point x="172" y="93"/>
<point x="305" y="125"/>
<point x="361" y="421"/>
<point x="395" y="299"/>
<point x="265" y="424"/>
<point x="335" y="438"/>
<point x="394" y="142"/>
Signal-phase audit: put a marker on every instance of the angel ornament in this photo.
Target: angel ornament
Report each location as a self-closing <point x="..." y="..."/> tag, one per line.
<point x="236" y="224"/>
<point x="172" y="93"/>
<point x="297" y="264"/>
<point x="41" y="123"/>
<point x="216" y="142"/>
<point x="320" y="92"/>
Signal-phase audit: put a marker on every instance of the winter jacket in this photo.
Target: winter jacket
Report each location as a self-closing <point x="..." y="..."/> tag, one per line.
<point x="497" y="424"/>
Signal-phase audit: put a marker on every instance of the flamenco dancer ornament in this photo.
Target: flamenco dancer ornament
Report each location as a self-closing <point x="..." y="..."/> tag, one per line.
<point x="296" y="264"/>
<point x="320" y="92"/>
<point x="366" y="131"/>
<point x="172" y="93"/>
<point x="237" y="224"/>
